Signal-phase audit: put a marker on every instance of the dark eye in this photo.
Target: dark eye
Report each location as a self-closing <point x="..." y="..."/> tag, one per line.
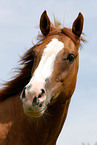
<point x="71" y="57"/>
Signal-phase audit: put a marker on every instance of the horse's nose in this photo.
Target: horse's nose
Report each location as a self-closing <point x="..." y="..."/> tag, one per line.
<point x="39" y="98"/>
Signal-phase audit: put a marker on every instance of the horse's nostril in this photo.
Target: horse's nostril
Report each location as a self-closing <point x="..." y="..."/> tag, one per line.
<point x="23" y="93"/>
<point x="39" y="96"/>
<point x="35" y="101"/>
<point x="43" y="91"/>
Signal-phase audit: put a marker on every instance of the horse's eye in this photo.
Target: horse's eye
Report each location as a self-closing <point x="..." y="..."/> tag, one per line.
<point x="71" y="57"/>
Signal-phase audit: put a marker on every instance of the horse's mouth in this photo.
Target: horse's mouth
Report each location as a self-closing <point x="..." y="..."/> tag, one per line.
<point x="35" y="114"/>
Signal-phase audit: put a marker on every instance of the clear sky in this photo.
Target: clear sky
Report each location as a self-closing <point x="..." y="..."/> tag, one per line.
<point x="19" y="21"/>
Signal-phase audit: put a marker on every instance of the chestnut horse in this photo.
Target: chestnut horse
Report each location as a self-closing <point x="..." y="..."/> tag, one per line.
<point x="34" y="105"/>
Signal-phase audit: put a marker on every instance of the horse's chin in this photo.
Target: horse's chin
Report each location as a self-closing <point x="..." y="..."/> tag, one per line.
<point x="35" y="114"/>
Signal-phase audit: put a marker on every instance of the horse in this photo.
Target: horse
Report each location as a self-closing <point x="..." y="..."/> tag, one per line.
<point x="34" y="104"/>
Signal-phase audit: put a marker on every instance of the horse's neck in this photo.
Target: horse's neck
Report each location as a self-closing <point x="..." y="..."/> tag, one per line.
<point x="24" y="130"/>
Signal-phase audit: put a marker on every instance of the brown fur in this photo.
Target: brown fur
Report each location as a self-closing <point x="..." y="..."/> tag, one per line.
<point x="15" y="126"/>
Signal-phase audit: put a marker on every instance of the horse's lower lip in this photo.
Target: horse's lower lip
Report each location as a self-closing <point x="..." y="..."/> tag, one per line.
<point x="31" y="114"/>
<point x="35" y="114"/>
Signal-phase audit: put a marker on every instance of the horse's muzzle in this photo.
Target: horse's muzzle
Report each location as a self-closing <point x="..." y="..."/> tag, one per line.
<point x="34" y="103"/>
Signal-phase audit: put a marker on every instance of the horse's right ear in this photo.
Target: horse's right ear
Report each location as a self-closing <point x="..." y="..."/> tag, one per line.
<point x="45" y="24"/>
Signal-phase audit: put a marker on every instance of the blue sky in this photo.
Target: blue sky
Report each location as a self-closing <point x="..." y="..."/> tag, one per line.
<point x="19" y="21"/>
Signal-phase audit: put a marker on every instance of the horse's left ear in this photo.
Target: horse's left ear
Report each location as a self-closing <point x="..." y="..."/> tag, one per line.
<point x="78" y="25"/>
<point x="45" y="23"/>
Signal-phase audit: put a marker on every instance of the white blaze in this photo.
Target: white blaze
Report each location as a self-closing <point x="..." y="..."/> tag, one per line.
<point x="46" y="63"/>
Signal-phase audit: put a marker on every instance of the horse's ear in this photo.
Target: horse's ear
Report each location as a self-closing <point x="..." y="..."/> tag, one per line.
<point x="78" y="25"/>
<point x="45" y="23"/>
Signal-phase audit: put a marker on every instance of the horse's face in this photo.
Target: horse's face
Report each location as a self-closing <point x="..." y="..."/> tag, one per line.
<point x="54" y="75"/>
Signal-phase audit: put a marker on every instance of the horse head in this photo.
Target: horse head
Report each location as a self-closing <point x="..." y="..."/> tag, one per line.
<point x="55" y="67"/>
